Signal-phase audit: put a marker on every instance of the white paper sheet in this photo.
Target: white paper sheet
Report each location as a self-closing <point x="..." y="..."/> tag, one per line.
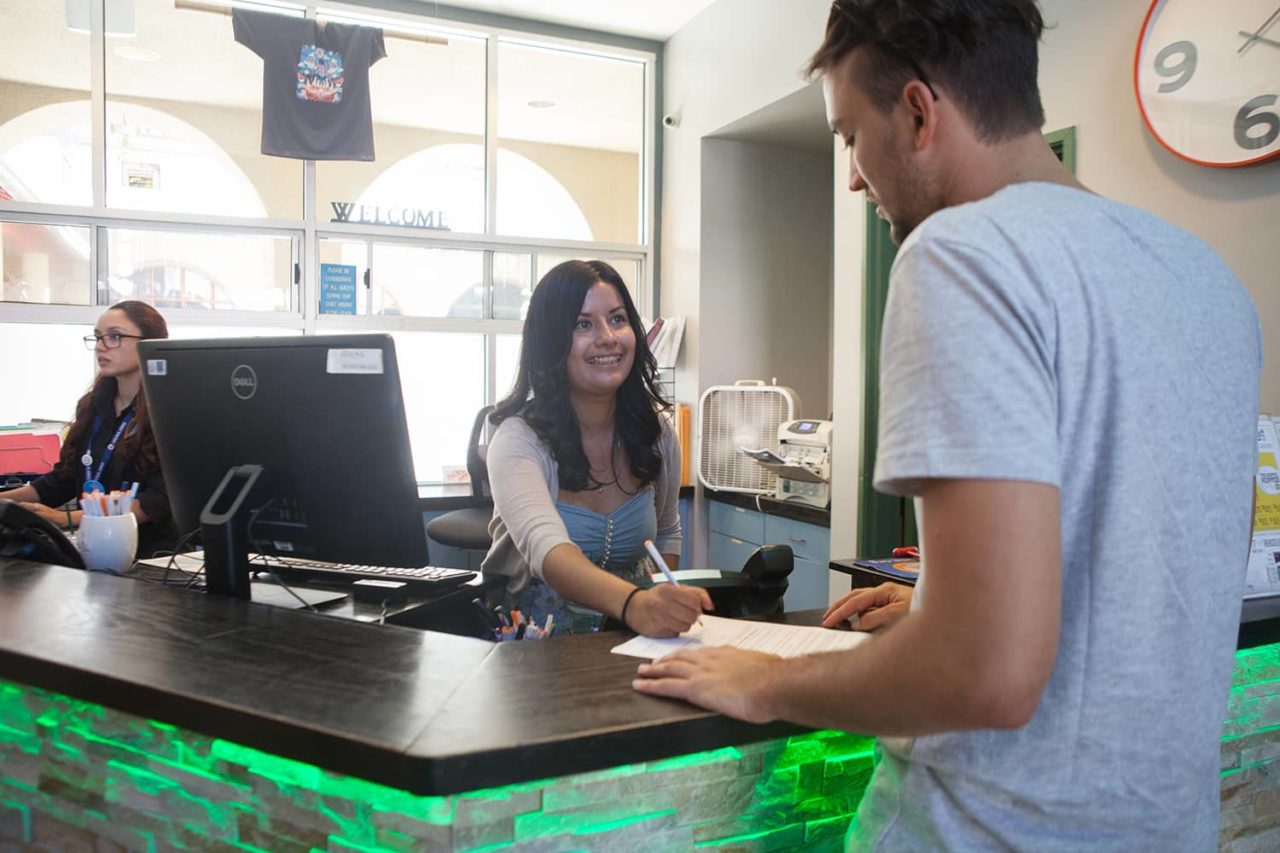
<point x="788" y="641"/>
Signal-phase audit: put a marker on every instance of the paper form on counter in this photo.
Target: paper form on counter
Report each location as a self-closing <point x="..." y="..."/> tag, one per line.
<point x="788" y="641"/>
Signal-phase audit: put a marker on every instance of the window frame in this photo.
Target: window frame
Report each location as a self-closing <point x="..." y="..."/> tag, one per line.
<point x="307" y="232"/>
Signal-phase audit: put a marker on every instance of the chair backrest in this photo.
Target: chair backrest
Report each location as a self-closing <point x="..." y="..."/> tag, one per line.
<point x="477" y="451"/>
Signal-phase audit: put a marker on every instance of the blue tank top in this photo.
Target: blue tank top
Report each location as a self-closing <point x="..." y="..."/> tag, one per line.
<point x="614" y="542"/>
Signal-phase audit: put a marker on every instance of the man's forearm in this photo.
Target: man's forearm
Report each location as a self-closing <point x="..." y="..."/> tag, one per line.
<point x="911" y="680"/>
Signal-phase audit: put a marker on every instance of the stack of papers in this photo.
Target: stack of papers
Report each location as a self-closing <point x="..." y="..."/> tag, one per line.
<point x="788" y="641"/>
<point x="666" y="343"/>
<point x="1263" y="575"/>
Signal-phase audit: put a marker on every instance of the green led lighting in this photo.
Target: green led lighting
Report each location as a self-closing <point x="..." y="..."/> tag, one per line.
<point x="610" y="826"/>
<point x="348" y="844"/>
<point x="697" y="759"/>
<point x="739" y="839"/>
<point x="74" y="760"/>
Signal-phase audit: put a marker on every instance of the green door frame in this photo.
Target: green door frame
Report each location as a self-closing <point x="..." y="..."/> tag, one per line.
<point x="884" y="521"/>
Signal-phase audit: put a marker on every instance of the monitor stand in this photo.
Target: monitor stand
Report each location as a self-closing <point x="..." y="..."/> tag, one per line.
<point x="224" y="527"/>
<point x="265" y="592"/>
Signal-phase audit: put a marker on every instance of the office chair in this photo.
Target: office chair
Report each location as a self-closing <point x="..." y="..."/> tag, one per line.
<point x="468" y="528"/>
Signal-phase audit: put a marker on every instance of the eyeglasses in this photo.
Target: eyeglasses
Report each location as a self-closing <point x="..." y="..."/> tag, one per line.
<point x="893" y="51"/>
<point x="111" y="340"/>
<point x="910" y="63"/>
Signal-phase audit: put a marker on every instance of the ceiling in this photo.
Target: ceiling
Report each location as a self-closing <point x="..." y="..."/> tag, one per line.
<point x="650" y="19"/>
<point x="798" y="120"/>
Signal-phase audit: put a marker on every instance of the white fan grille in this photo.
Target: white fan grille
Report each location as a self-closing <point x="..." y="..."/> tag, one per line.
<point x="734" y="417"/>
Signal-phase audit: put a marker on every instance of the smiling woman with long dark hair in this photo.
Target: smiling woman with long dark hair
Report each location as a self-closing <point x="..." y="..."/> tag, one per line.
<point x="584" y="467"/>
<point x="110" y="441"/>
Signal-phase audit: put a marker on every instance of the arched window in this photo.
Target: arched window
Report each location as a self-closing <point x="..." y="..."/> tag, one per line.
<point x="158" y="163"/>
<point x="451" y="178"/>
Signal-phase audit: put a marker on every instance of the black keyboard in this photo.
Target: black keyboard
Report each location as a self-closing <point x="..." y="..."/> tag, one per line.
<point x="421" y="580"/>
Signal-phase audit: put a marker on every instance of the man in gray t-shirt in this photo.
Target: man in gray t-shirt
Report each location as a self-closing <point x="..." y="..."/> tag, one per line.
<point x="1069" y="393"/>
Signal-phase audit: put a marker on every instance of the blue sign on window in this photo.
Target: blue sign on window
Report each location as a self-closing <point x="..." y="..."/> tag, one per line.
<point x="337" y="289"/>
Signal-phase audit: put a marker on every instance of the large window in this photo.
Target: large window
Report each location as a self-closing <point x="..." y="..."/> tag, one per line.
<point x="131" y="167"/>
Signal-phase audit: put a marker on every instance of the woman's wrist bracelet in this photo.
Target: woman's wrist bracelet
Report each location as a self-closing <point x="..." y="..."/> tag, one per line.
<point x="622" y="617"/>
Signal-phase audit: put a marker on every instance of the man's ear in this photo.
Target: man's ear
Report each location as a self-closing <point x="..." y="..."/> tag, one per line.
<point x="922" y="111"/>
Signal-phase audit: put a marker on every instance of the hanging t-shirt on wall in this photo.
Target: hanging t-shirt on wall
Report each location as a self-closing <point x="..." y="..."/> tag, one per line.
<point x="315" y="84"/>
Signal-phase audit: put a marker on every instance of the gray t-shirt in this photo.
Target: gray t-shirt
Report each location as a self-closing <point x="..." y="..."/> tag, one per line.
<point x="315" y="84"/>
<point x="1050" y="335"/>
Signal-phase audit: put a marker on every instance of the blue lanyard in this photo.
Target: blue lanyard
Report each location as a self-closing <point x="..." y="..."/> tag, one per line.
<point x="94" y="476"/>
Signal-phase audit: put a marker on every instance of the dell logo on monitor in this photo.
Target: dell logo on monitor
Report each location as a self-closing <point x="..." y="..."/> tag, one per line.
<point x="244" y="382"/>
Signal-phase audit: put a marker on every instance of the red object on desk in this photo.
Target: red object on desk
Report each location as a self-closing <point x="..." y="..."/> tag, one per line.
<point x="28" y="453"/>
<point x="907" y="551"/>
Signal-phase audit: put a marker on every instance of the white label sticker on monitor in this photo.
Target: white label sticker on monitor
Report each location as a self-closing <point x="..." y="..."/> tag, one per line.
<point x="157" y="367"/>
<point x="355" y="361"/>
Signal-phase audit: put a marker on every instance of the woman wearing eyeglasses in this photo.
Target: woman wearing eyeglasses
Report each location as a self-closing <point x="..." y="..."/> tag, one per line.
<point x="110" y="445"/>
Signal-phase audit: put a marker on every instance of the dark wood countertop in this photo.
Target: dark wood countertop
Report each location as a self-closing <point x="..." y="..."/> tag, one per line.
<point x="425" y="712"/>
<point x="771" y="506"/>
<point x="1259" y="617"/>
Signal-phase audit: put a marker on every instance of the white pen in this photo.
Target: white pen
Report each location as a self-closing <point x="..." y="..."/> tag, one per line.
<point x="661" y="563"/>
<point x="666" y="571"/>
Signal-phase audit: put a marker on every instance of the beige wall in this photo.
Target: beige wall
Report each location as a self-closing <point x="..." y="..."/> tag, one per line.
<point x="1086" y="80"/>
<point x="605" y="184"/>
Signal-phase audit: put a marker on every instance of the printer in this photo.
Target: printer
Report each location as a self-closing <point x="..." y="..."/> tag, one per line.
<point x="802" y="464"/>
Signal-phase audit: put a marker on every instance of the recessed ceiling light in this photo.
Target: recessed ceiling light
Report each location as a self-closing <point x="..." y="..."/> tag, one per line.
<point x="541" y="105"/>
<point x="135" y="54"/>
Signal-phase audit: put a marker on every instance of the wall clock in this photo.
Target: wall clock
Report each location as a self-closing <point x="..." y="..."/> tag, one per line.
<point x="1207" y="76"/>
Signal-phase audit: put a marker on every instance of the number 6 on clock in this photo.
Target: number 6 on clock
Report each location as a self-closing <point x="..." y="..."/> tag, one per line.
<point x="1207" y="78"/>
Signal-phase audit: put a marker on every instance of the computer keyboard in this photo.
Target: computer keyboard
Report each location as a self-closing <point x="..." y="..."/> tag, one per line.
<point x="421" y="580"/>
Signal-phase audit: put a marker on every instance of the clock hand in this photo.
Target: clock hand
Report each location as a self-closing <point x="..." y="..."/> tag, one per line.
<point x="1252" y="37"/>
<point x="1257" y="35"/>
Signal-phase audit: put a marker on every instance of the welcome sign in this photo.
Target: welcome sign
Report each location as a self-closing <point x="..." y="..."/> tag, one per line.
<point x="373" y="214"/>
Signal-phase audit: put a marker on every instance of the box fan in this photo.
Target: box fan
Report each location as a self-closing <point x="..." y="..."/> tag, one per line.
<point x="746" y="414"/>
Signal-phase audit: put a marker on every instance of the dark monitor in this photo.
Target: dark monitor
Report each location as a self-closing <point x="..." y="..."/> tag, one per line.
<point x="322" y="416"/>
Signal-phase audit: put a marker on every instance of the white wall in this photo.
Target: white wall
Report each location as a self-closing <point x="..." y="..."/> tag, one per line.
<point x="849" y="222"/>
<point x="765" y="279"/>
<point x="733" y="59"/>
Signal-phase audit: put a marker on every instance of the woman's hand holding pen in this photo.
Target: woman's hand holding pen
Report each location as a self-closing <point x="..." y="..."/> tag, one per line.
<point x="870" y="608"/>
<point x="666" y="610"/>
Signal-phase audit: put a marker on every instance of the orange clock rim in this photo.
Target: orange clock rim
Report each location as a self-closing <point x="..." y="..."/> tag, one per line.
<point x="1146" y="119"/>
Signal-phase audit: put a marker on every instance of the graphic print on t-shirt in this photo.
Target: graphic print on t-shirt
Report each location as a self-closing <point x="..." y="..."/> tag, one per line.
<point x="320" y="75"/>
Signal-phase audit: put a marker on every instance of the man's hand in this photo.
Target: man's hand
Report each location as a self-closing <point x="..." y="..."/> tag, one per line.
<point x="666" y="610"/>
<point x="720" y="678"/>
<point x="874" y="608"/>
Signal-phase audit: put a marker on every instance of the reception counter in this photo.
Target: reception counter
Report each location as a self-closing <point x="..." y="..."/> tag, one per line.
<point x="153" y="718"/>
<point x="148" y="715"/>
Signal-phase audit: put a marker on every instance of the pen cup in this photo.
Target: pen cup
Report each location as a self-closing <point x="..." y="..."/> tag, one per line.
<point x="108" y="542"/>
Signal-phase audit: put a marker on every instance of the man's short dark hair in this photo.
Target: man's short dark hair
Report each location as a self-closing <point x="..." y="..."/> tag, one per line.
<point x="983" y="52"/>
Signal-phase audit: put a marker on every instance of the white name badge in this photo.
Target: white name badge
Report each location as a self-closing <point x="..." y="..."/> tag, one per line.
<point x="355" y="361"/>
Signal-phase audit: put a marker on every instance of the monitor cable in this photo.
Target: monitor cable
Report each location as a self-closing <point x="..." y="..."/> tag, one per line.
<point x="264" y="566"/>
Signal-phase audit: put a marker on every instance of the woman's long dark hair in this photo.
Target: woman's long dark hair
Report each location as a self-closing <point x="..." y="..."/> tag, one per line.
<point x="541" y="392"/>
<point x="139" y="443"/>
